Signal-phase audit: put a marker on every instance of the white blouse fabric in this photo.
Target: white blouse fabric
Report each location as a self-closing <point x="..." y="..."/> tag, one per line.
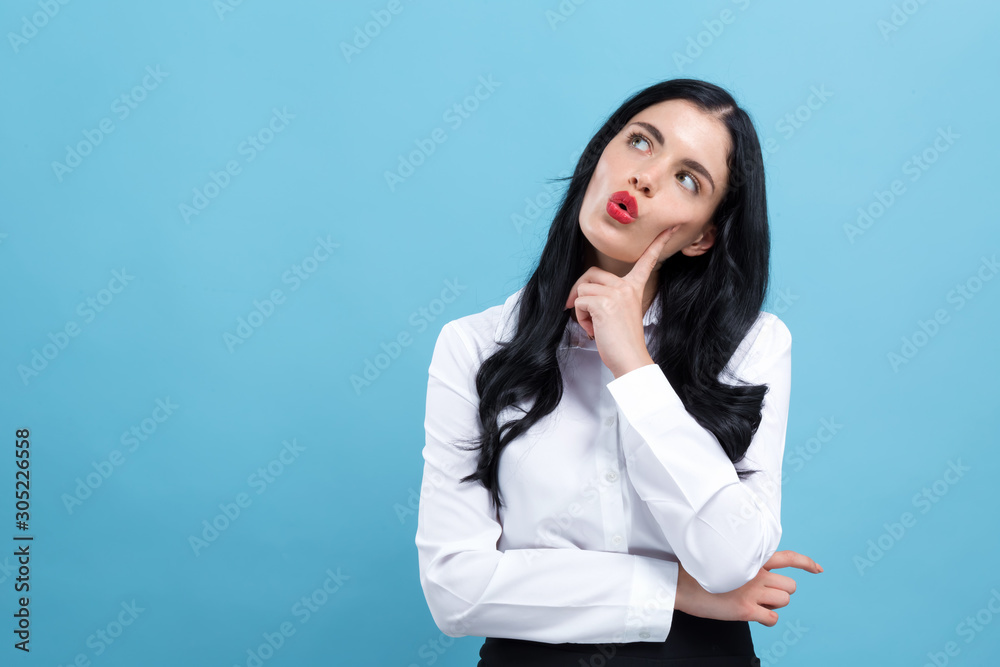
<point x="602" y="497"/>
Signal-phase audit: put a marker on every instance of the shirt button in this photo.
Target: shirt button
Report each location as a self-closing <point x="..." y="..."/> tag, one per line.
<point x="644" y="635"/>
<point x="611" y="476"/>
<point x="609" y="421"/>
<point x="617" y="539"/>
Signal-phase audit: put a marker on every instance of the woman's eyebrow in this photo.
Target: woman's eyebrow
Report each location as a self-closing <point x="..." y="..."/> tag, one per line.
<point x="690" y="164"/>
<point x="652" y="130"/>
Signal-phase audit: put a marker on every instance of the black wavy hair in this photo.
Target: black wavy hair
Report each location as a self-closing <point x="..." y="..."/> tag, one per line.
<point x="712" y="300"/>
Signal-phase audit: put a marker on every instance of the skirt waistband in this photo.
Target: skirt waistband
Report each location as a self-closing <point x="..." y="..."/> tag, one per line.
<point x="693" y="642"/>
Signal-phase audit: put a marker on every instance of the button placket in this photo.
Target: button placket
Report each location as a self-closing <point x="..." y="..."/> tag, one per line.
<point x="612" y="504"/>
<point x="610" y="423"/>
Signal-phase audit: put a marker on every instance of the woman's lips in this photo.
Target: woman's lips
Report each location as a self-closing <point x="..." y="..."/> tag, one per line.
<point x="622" y="207"/>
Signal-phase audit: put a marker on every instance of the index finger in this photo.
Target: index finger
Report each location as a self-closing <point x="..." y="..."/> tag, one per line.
<point x="788" y="558"/>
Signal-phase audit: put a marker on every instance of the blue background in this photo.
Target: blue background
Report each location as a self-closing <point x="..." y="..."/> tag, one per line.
<point x="342" y="500"/>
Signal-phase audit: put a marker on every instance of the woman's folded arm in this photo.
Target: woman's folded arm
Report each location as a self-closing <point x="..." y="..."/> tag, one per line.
<point x="546" y="595"/>
<point x="722" y="529"/>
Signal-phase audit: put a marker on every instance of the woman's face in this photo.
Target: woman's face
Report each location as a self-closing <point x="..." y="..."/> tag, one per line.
<point x="660" y="158"/>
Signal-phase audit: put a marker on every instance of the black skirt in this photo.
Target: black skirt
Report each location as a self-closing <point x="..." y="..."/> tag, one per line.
<point x="693" y="642"/>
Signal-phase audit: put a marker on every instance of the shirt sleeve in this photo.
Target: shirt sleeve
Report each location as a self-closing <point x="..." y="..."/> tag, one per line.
<point x="539" y="594"/>
<point x="722" y="529"/>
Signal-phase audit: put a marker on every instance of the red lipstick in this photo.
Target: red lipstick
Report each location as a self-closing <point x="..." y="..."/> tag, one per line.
<point x="623" y="207"/>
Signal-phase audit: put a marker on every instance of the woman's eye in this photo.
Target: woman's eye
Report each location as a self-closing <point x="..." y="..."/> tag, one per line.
<point x="632" y="137"/>
<point x="694" y="181"/>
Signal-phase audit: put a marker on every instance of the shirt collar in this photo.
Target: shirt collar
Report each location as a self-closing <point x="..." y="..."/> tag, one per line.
<point x="575" y="335"/>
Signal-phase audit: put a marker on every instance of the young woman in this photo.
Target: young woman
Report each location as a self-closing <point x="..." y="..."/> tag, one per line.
<point x="602" y="469"/>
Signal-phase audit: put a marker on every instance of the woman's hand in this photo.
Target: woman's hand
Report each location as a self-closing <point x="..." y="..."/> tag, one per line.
<point x="609" y="309"/>
<point x="753" y="601"/>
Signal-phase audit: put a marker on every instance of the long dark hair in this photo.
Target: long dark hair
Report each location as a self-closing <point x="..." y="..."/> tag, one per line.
<point x="710" y="301"/>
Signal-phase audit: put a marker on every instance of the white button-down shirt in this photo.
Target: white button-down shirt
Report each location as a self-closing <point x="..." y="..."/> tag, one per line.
<point x="602" y="497"/>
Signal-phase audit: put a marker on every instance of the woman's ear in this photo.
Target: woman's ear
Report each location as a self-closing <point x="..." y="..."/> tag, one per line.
<point x="701" y="244"/>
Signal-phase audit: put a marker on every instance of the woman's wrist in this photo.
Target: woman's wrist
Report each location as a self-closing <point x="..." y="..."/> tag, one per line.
<point x="682" y="596"/>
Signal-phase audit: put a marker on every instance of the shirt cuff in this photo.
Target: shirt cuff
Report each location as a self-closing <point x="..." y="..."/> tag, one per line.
<point x="651" y="608"/>
<point x="645" y="390"/>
